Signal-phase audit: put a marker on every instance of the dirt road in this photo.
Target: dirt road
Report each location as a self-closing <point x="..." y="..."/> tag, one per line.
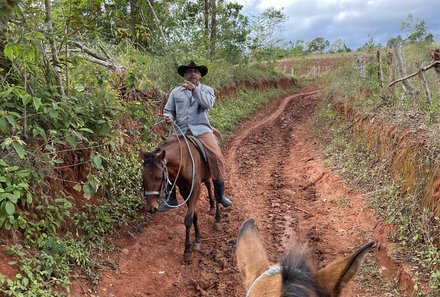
<point x="276" y="175"/>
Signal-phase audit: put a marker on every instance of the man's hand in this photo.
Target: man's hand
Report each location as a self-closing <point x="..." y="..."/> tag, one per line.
<point x="188" y="85"/>
<point x="168" y="118"/>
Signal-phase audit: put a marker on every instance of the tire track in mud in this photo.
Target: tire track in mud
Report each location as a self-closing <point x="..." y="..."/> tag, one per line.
<point x="262" y="154"/>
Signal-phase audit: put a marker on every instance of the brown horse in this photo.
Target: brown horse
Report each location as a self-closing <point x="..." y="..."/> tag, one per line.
<point x="178" y="161"/>
<point x="295" y="276"/>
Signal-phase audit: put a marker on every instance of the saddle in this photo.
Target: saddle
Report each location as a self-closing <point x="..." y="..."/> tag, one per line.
<point x="198" y="145"/>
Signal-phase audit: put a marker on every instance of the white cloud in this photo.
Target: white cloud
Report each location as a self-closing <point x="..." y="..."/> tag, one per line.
<point x="353" y="21"/>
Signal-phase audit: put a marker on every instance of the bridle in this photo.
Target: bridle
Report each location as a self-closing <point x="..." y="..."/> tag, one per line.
<point x="165" y="181"/>
<point x="165" y="177"/>
<point x="269" y="272"/>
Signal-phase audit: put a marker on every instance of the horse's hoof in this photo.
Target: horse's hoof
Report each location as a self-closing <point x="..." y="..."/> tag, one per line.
<point x="197" y="246"/>
<point x="212" y="211"/>
<point x="187" y="258"/>
<point x="218" y="227"/>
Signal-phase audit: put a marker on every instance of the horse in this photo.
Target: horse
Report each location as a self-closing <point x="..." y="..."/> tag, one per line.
<point x="295" y="276"/>
<point x="178" y="160"/>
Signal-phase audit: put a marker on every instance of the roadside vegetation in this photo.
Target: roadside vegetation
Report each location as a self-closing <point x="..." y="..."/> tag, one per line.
<point x="416" y="227"/>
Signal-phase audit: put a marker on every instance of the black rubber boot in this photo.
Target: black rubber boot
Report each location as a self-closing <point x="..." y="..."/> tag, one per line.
<point x="219" y="188"/>
<point x="172" y="200"/>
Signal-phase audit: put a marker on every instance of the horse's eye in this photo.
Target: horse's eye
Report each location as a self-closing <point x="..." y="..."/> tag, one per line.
<point x="158" y="178"/>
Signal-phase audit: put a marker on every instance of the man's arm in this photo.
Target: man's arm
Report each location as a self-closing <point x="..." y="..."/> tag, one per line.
<point x="205" y="96"/>
<point x="169" y="111"/>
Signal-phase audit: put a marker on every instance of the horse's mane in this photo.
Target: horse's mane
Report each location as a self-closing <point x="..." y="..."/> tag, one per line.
<point x="150" y="157"/>
<point x="297" y="276"/>
<point x="166" y="143"/>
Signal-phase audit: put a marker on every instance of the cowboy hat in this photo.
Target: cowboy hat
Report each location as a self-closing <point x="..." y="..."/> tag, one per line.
<point x="192" y="65"/>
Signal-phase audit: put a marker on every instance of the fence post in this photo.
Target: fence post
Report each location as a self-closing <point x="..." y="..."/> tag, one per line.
<point x="380" y="73"/>
<point x="407" y="85"/>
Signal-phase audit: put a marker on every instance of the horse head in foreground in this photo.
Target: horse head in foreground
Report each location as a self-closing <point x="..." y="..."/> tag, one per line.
<point x="295" y="275"/>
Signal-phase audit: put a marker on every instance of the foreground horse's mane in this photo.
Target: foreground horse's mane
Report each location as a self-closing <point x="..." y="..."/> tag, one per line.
<point x="298" y="278"/>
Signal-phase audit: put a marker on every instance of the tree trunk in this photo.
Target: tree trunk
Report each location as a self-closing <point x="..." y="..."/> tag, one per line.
<point x="55" y="60"/>
<point x="213" y="29"/>
<point x="206" y="21"/>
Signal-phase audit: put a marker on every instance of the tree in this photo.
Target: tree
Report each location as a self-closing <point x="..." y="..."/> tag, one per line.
<point x="417" y="31"/>
<point x="318" y="45"/>
<point x="297" y="48"/>
<point x="264" y="43"/>
<point x="339" y="47"/>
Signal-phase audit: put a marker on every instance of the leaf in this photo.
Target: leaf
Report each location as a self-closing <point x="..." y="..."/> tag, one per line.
<point x="3" y="125"/>
<point x="29" y="198"/>
<point x="10" y="208"/>
<point x="9" y="52"/>
<point x="71" y="140"/>
<point x="19" y="150"/>
<point x="7" y="141"/>
<point x="77" y="187"/>
<point x="88" y="191"/>
<point x="25" y="99"/>
<point x="37" y="103"/>
<point x="86" y="130"/>
<point x="11" y="197"/>
<point x="97" y="161"/>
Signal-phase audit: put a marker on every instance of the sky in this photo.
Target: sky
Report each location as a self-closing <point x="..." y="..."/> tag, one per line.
<point x="353" y="21"/>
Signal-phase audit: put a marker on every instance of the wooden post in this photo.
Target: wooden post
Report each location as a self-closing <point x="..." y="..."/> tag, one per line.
<point x="436" y="57"/>
<point x="379" y="70"/>
<point x="391" y="68"/>
<point x="407" y="85"/>
<point x="424" y="83"/>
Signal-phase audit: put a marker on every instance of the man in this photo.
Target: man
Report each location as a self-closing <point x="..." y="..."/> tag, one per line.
<point x="188" y="106"/>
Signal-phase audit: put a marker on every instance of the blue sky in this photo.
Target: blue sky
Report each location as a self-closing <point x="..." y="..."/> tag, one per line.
<point x="353" y="21"/>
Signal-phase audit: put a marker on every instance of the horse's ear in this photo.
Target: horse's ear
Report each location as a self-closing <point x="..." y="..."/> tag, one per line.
<point x="160" y="156"/>
<point x="251" y="255"/>
<point x="141" y="154"/>
<point x="335" y="276"/>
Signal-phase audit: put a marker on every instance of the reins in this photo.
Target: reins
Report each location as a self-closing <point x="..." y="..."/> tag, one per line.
<point x="269" y="272"/>
<point x="180" y="166"/>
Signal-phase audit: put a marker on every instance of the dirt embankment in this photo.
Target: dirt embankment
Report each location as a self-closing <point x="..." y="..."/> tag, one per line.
<point x="411" y="161"/>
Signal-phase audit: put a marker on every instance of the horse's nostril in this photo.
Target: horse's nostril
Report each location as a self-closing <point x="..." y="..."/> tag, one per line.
<point x="153" y="209"/>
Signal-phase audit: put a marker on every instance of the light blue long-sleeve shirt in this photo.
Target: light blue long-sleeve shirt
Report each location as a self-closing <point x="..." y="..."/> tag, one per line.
<point x="190" y="108"/>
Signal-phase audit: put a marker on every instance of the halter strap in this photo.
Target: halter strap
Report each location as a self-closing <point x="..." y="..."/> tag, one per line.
<point x="269" y="272"/>
<point x="146" y="193"/>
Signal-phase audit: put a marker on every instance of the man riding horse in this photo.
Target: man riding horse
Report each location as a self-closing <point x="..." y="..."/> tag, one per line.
<point x="187" y="107"/>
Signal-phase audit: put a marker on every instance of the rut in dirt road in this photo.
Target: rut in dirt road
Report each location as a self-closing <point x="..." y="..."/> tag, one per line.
<point x="264" y="152"/>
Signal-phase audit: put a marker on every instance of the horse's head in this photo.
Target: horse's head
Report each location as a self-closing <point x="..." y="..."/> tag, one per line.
<point x="295" y="276"/>
<point x="153" y="178"/>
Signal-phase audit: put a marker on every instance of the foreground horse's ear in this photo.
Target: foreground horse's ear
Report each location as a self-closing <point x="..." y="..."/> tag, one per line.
<point x="335" y="276"/>
<point x="251" y="255"/>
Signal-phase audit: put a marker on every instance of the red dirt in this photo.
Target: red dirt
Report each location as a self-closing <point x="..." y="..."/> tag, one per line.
<point x="276" y="175"/>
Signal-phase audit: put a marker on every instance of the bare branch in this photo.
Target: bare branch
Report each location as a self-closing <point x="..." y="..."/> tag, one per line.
<point x="415" y="73"/>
